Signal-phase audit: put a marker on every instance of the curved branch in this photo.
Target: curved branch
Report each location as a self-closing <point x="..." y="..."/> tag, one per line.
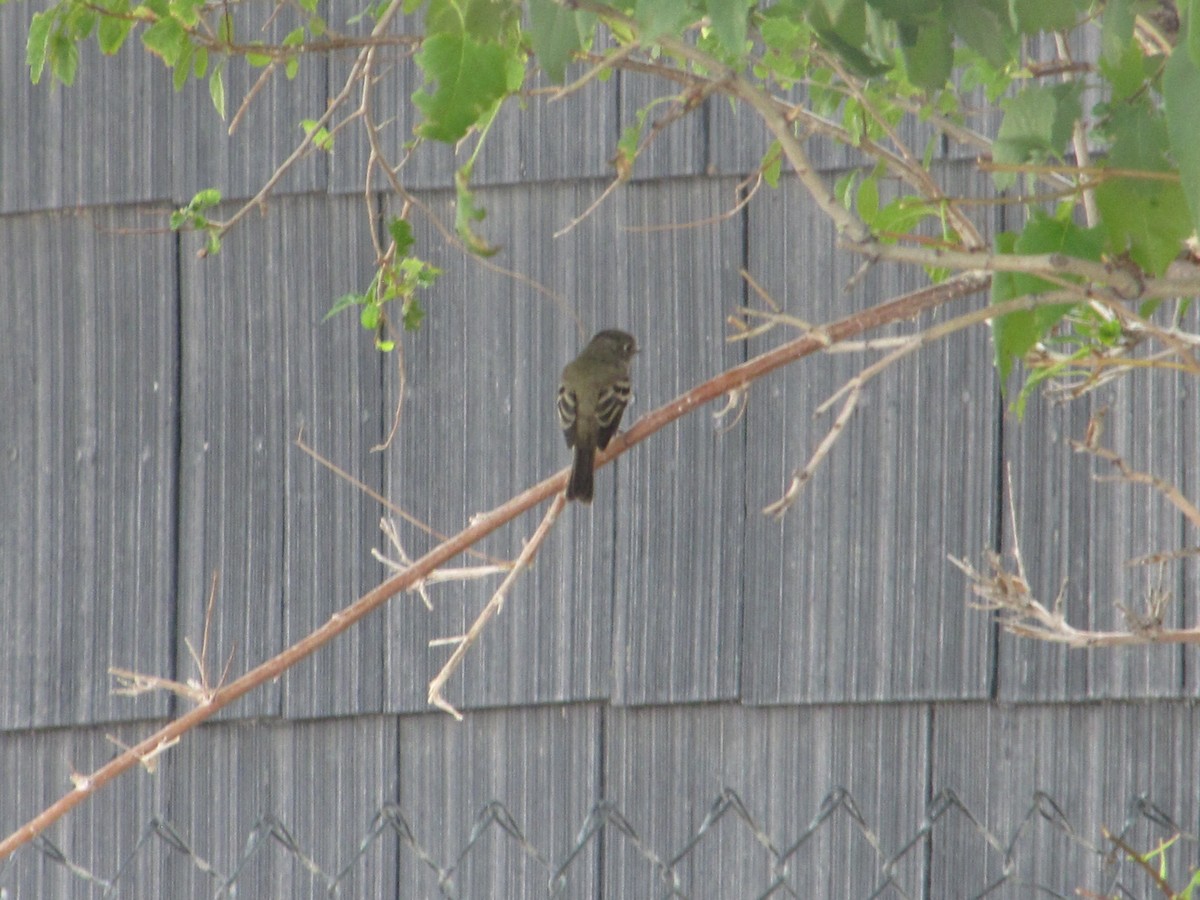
<point x="481" y="526"/>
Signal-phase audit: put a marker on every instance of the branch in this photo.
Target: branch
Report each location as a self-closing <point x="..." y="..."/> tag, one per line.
<point x="1127" y="473"/>
<point x="306" y="144"/>
<point x="493" y="607"/>
<point x="1007" y="592"/>
<point x="907" y="346"/>
<point x="1045" y="265"/>
<point x="481" y="526"/>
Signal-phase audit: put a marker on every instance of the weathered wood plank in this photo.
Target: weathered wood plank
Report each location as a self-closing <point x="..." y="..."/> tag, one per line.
<point x="88" y="538"/>
<point x="290" y="541"/>
<point x="852" y="597"/>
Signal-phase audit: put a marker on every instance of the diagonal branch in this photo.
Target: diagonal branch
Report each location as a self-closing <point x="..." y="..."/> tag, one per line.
<point x="481" y="526"/>
<point x="493" y="607"/>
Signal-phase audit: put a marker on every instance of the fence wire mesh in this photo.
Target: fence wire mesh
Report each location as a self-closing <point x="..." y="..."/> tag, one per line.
<point x="1169" y="852"/>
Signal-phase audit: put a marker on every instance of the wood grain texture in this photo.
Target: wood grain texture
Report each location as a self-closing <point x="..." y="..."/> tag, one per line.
<point x="89" y="436"/>
<point x="101" y="837"/>
<point x="542" y="765"/>
<point x="1076" y="535"/>
<point x="673" y="146"/>
<point x="100" y="141"/>
<point x="1093" y="761"/>
<point x="532" y="139"/>
<point x="478" y="426"/>
<point x="290" y="541"/>
<point x="680" y="497"/>
<point x="852" y="597"/>
<point x="665" y="766"/>
<point x="204" y="155"/>
<point x="323" y="781"/>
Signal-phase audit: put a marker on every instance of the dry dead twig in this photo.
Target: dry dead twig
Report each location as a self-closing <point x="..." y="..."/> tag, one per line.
<point x="493" y="607"/>
<point x="1006" y="592"/>
<point x="388" y="527"/>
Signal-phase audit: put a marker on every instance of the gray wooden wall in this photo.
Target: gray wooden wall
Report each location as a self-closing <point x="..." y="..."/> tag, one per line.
<point x="673" y="655"/>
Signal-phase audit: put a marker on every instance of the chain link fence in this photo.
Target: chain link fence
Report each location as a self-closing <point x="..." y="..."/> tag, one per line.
<point x="1119" y="872"/>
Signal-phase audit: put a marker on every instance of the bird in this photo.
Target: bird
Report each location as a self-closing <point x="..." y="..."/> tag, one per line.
<point x="593" y="394"/>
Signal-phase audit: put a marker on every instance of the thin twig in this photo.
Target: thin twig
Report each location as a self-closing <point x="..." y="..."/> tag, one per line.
<point x="379" y="498"/>
<point x="494" y="605"/>
<point x="479" y="528"/>
<point x="1127" y="473"/>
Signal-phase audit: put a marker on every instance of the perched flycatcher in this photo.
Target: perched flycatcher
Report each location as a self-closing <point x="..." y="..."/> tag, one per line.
<point x="593" y="394"/>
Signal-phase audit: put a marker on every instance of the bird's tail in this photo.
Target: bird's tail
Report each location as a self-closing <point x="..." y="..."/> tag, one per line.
<point x="581" y="487"/>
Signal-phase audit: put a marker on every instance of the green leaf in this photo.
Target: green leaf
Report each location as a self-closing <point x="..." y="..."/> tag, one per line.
<point x="206" y="198"/>
<point x="555" y="33"/>
<point x="166" y="38"/>
<point x="857" y="60"/>
<point x="900" y="216"/>
<point x="466" y="213"/>
<point x="841" y="26"/>
<point x="1181" y="87"/>
<point x="868" y="200"/>
<point x="470" y="78"/>
<point x="413" y="314"/>
<point x="64" y="58"/>
<point x="35" y="44"/>
<point x="772" y="164"/>
<point x="370" y="316"/>
<point x="402" y="235"/>
<point x="200" y="62"/>
<point x="112" y="30"/>
<point x="845" y="18"/>
<point x="1139" y="135"/>
<point x="1047" y="234"/>
<point x="1044" y="15"/>
<point x="216" y="90"/>
<point x="186" y="11"/>
<point x="183" y="69"/>
<point x="1014" y="334"/>
<point x="483" y="20"/>
<point x="929" y="59"/>
<point x="1116" y="28"/>
<point x="1149" y="219"/>
<point x="258" y="60"/>
<point x="1037" y="124"/>
<point x="984" y="26"/>
<point x="418" y="273"/>
<point x="658" y="17"/>
<point x="1126" y="72"/>
<point x="845" y="188"/>
<point x="344" y="302"/>
<point x="729" y="19"/>
<point x="1192" y="38"/>
<point x="909" y="12"/>
<point x="1146" y="218"/>
<point x="321" y="137"/>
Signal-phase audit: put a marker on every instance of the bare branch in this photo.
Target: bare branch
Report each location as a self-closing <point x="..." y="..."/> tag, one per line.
<point x="1129" y="474"/>
<point x="388" y="527"/>
<point x="1007" y="593"/>
<point x="481" y="526"/>
<point x="492" y="608"/>
<point x="802" y="476"/>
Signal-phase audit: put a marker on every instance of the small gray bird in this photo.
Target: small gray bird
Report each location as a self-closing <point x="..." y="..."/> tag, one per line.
<point x="594" y="391"/>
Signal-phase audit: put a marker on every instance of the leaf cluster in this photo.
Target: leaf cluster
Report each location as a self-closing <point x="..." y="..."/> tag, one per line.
<point x="1105" y="153"/>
